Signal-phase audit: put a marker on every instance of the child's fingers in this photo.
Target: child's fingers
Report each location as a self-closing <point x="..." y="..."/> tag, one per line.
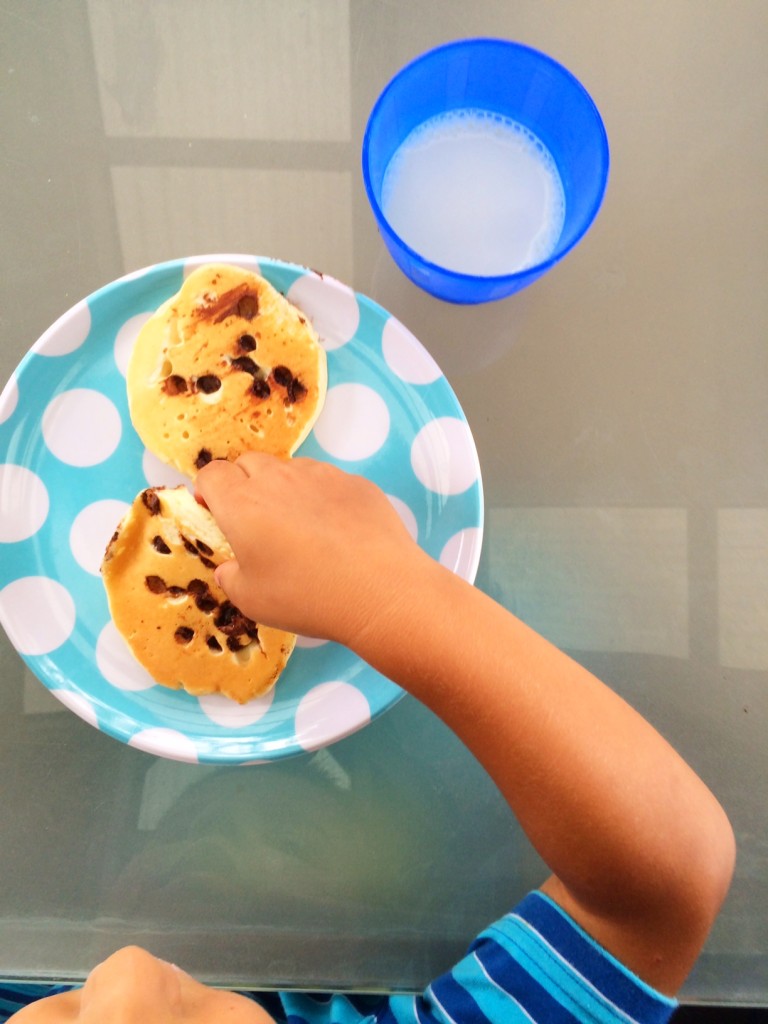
<point x="257" y="464"/>
<point x="215" y="487"/>
<point x="214" y="475"/>
<point x="227" y="575"/>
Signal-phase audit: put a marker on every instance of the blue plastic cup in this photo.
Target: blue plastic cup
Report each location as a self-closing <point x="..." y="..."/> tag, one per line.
<point x="518" y="83"/>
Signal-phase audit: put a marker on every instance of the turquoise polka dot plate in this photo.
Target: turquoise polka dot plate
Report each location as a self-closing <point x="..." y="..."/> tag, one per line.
<point x="71" y="463"/>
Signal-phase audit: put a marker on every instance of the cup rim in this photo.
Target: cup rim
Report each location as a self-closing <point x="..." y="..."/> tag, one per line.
<point x="535" y="268"/>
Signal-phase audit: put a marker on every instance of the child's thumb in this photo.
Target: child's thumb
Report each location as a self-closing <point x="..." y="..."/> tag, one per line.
<point x="227" y="576"/>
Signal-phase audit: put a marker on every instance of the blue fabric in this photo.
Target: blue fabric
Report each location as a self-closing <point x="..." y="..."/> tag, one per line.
<point x="533" y="966"/>
<point x="16" y="997"/>
<point x="586" y="958"/>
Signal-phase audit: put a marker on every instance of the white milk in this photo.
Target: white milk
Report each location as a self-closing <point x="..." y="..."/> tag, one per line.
<point x="476" y="193"/>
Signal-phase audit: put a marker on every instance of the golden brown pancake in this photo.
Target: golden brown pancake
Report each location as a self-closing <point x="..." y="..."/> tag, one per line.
<point x="158" y="571"/>
<point x="226" y="366"/>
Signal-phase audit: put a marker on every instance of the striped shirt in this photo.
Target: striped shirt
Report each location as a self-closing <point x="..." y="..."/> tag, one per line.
<point x="534" y="966"/>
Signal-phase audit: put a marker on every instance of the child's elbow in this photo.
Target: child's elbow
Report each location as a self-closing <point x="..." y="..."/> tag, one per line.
<point x="711" y="871"/>
<point x="694" y="894"/>
<point x="723" y="863"/>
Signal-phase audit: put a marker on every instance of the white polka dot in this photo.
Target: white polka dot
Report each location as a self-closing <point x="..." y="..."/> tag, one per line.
<point x="81" y="427"/>
<point x="134" y="275"/>
<point x="79" y="705"/>
<point x="406" y="514"/>
<point x="231" y="715"/>
<point x="406" y="357"/>
<point x="235" y="259"/>
<point x="443" y="456"/>
<point x="354" y="423"/>
<point x="126" y="338"/>
<point x="67" y="334"/>
<point x="91" y="531"/>
<point x="9" y="398"/>
<point x="159" y="474"/>
<point x="23" y="503"/>
<point x="117" y="664"/>
<point x="330" y="305"/>
<point x="38" y="614"/>
<point x="461" y="554"/>
<point x="309" y="642"/>
<point x="329" y="712"/>
<point x="165" y="743"/>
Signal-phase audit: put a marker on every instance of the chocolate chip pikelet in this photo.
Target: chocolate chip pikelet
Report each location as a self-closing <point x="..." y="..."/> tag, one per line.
<point x="226" y="366"/>
<point x="158" y="573"/>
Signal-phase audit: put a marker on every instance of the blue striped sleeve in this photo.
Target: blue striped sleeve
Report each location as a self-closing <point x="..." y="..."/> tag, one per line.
<point x="14" y="997"/>
<point x="557" y="973"/>
<point x="534" y="966"/>
<point x="617" y="984"/>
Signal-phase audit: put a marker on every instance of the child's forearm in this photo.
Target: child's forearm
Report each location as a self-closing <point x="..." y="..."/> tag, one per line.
<point x="625" y="825"/>
<point x="641" y="851"/>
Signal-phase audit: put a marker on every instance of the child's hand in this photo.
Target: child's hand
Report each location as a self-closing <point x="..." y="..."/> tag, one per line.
<point x="314" y="546"/>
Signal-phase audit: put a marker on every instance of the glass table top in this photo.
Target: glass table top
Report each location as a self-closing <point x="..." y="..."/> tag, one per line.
<point x="618" y="408"/>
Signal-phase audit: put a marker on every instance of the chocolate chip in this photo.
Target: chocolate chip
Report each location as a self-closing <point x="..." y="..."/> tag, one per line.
<point x="202" y="546"/>
<point x="176" y="591"/>
<point x="282" y="375"/>
<point x="246" y="343"/>
<point x="206" y="602"/>
<point x="207" y="562"/>
<point x="296" y="391"/>
<point x="234" y="644"/>
<point x="151" y="501"/>
<point x="197" y="587"/>
<point x="248" y="306"/>
<point x="213" y="643"/>
<point x="208" y="383"/>
<point x="203" y="458"/>
<point x="156" y="584"/>
<point x="246" y="364"/>
<point x="183" y="635"/>
<point x="188" y="544"/>
<point x="230" y="620"/>
<point x="174" y="385"/>
<point x="260" y="388"/>
<point x="226" y="616"/>
<point x="159" y="545"/>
